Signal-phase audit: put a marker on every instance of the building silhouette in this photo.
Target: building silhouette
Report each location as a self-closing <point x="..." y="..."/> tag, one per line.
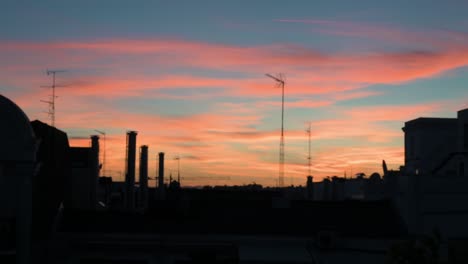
<point x="17" y="167"/>
<point x="432" y="191"/>
<point x="83" y="181"/>
<point x="436" y="146"/>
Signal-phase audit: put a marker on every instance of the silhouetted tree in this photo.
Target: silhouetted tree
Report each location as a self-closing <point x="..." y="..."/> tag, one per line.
<point x="360" y="175"/>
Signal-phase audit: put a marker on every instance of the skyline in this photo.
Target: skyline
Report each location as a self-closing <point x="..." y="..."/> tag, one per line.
<point x="190" y="80"/>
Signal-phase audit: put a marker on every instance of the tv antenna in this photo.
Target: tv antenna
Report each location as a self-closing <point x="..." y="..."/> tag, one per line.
<point x="51" y="101"/>
<point x="103" y="152"/>
<point x="309" y="158"/>
<point x="280" y="83"/>
<point x="178" y="167"/>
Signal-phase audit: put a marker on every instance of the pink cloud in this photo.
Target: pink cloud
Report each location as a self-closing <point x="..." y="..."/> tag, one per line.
<point x="296" y="104"/>
<point x="308" y="71"/>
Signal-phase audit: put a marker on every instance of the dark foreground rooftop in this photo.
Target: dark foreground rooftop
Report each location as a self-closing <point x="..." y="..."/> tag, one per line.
<point x="300" y="218"/>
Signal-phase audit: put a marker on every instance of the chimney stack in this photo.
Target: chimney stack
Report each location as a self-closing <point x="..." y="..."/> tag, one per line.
<point x="95" y="151"/>
<point x="161" y="175"/>
<point x="130" y="169"/>
<point x="144" y="176"/>
<point x="310" y="188"/>
<point x="95" y="142"/>
<point x="94" y="173"/>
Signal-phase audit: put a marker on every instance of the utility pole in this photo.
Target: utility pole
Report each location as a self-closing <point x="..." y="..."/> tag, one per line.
<point x="309" y="158"/>
<point x="51" y="102"/>
<point x="280" y="82"/>
<point x="103" y="153"/>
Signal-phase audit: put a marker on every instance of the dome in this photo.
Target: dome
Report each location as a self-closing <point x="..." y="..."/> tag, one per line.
<point x="16" y="135"/>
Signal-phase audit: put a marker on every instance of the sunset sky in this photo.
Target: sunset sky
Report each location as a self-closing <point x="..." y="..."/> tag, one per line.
<point x="189" y="76"/>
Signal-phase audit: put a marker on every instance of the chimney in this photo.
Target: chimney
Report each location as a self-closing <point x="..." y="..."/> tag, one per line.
<point x="130" y="169"/>
<point x="95" y="142"/>
<point x="94" y="171"/>
<point x="161" y="175"/>
<point x="144" y="176"/>
<point x="310" y="188"/>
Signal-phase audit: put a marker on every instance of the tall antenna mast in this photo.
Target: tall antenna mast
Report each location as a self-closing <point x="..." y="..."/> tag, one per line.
<point x="309" y="158"/>
<point x="280" y="82"/>
<point x="51" y="102"/>
<point x="103" y="153"/>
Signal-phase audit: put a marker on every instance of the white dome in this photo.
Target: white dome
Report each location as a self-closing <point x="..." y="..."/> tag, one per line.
<point x="17" y="139"/>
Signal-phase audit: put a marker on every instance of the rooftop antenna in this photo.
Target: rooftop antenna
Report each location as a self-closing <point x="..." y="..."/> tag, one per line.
<point x="104" y="152"/>
<point x="178" y="167"/>
<point x="51" y="101"/>
<point x="280" y="83"/>
<point x="309" y="158"/>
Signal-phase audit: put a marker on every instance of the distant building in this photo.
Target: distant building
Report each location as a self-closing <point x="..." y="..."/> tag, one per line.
<point x="358" y="188"/>
<point x="49" y="183"/>
<point x="428" y="141"/>
<point x="83" y="182"/>
<point x="432" y="190"/>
